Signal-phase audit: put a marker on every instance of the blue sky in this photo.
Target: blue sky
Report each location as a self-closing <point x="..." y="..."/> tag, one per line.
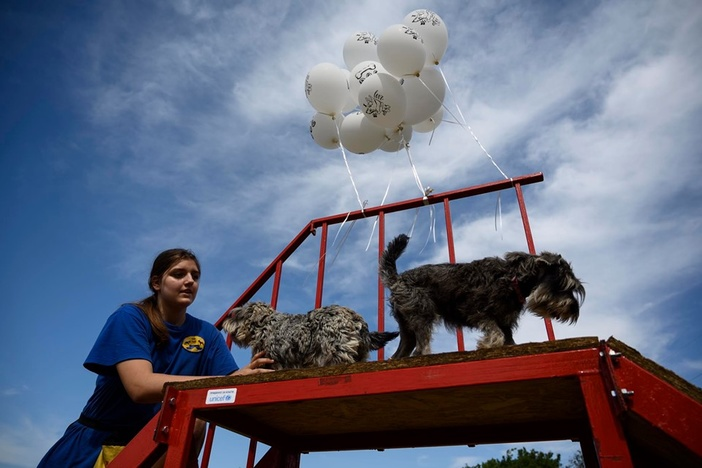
<point x="129" y="127"/>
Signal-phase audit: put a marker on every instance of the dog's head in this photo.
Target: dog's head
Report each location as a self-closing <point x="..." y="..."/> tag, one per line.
<point x="245" y="324"/>
<point x="557" y="293"/>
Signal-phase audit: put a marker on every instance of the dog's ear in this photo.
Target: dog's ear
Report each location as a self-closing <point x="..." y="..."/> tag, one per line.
<point x="551" y="261"/>
<point x="526" y="265"/>
<point x="515" y="258"/>
<point x="550" y="258"/>
<point x="522" y="263"/>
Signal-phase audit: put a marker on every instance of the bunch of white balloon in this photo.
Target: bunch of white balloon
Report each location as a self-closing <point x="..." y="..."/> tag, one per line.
<point x="392" y="87"/>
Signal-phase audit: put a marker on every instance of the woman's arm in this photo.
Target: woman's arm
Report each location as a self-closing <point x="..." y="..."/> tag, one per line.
<point x="145" y="386"/>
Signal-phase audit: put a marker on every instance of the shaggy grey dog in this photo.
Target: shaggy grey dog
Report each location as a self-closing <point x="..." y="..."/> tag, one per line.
<point x="488" y="295"/>
<point x="321" y="337"/>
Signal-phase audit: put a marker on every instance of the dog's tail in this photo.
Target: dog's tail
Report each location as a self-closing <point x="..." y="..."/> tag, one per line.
<point x="380" y="339"/>
<point x="387" y="268"/>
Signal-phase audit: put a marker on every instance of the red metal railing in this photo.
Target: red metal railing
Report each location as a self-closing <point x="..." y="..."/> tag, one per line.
<point x="275" y="268"/>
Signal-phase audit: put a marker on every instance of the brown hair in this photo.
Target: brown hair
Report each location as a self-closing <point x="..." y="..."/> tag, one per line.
<point x="149" y="305"/>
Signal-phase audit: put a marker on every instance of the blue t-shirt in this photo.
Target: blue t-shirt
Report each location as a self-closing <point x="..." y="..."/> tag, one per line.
<point x="195" y="348"/>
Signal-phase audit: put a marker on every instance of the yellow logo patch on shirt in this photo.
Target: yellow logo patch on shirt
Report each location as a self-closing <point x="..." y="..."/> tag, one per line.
<point x="194" y="344"/>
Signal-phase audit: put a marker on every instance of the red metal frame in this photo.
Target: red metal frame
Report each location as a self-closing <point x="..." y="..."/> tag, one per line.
<point x="606" y="381"/>
<point x="601" y="379"/>
<point x="180" y="406"/>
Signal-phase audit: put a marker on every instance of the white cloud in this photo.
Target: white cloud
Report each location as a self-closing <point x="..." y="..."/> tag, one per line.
<point x="199" y="136"/>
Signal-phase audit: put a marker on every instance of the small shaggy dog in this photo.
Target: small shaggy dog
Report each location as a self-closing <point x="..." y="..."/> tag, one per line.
<point x="488" y="295"/>
<point x="322" y="337"/>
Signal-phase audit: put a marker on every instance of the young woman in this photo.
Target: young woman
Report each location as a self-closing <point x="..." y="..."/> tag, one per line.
<point x="142" y="346"/>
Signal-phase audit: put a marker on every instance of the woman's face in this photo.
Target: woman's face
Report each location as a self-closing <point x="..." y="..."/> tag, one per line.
<point x="178" y="286"/>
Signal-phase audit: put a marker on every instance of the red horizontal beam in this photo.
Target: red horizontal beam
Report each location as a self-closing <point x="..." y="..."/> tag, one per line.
<point x="431" y="199"/>
<point x="569" y="363"/>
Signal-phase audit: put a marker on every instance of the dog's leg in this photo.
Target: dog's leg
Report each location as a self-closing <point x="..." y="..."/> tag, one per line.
<point x="507" y="332"/>
<point x="408" y="340"/>
<point x="423" y="340"/>
<point x="493" y="336"/>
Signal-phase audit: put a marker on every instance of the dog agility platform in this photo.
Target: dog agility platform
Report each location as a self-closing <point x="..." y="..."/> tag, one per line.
<point x="623" y="409"/>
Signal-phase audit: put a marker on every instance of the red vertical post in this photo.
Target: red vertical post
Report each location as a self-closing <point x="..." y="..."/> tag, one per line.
<point x="532" y="249"/>
<point x="525" y="218"/>
<point x="322" y="260"/>
<point x="608" y="437"/>
<point x="452" y="259"/>
<point x="207" y="449"/>
<point x="177" y="429"/>
<point x="381" y="287"/>
<point x="251" y="459"/>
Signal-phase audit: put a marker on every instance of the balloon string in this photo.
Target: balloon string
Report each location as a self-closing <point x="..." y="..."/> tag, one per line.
<point x="425" y="191"/>
<point x="346" y="234"/>
<point x="387" y="190"/>
<point x="432" y="92"/>
<point x="465" y="125"/>
<point x="416" y="215"/>
<point x="375" y="223"/>
<point x="341" y="227"/>
<point x="498" y="208"/>
<point x="448" y="88"/>
<point x="431" y="138"/>
<point x="338" y="250"/>
<point x="348" y="169"/>
<point x="498" y="216"/>
<point x="343" y="241"/>
<point x="432" y="228"/>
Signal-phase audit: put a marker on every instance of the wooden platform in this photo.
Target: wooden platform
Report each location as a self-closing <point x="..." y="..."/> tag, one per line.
<point x="578" y="389"/>
<point x="408" y="402"/>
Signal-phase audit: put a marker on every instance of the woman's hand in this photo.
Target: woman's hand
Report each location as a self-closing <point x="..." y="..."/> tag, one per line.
<point x="256" y="365"/>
